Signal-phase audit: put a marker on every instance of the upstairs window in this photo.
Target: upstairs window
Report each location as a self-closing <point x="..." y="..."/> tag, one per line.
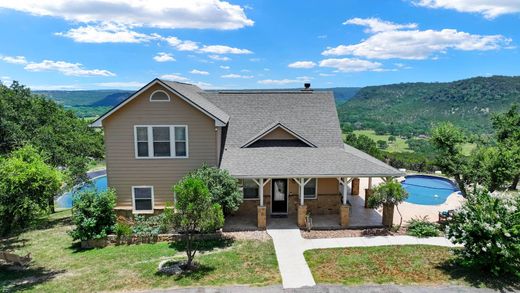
<point x="161" y="141"/>
<point x="310" y="189"/>
<point x="159" y="96"/>
<point x="143" y="199"/>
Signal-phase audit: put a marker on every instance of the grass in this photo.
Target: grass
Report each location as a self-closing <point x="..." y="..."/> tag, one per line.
<point x="398" y="146"/>
<point x="58" y="266"/>
<point x="404" y="265"/>
<point x="97" y="165"/>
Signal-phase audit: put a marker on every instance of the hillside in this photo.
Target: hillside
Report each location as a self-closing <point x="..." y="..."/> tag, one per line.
<point x="412" y="108"/>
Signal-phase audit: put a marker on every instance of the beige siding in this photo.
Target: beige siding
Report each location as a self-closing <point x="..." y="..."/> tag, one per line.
<point x="125" y="171"/>
<point x="278" y="133"/>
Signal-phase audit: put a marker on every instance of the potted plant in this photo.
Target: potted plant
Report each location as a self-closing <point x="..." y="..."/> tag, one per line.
<point x="388" y="195"/>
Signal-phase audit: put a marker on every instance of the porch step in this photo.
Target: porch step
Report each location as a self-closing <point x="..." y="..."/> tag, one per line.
<point x="278" y="216"/>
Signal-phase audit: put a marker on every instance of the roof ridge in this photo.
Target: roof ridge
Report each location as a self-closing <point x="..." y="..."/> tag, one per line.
<point x="272" y="127"/>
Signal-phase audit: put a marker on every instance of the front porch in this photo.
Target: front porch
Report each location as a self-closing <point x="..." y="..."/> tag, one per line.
<point x="324" y="209"/>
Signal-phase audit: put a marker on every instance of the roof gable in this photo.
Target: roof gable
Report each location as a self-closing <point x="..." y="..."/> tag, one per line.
<point x="286" y="133"/>
<point x="187" y="92"/>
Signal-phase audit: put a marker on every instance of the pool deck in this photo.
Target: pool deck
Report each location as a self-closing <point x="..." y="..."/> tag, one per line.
<point x="410" y="210"/>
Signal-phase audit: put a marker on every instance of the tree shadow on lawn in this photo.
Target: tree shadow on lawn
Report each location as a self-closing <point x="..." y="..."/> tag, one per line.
<point x="478" y="278"/>
<point x="204" y="245"/>
<point x="15" y="278"/>
<point x="13" y="243"/>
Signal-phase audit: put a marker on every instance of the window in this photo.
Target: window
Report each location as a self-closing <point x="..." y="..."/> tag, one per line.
<point x="310" y="189"/>
<point x="143" y="198"/>
<point x="159" y="96"/>
<point x="180" y="141"/>
<point x="250" y="189"/>
<point x="161" y="141"/>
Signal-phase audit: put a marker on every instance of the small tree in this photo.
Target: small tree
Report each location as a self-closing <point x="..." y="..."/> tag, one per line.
<point x="382" y="144"/>
<point x="488" y="225"/>
<point x="195" y="213"/>
<point x="223" y="187"/>
<point x="507" y="132"/>
<point x="447" y="140"/>
<point x="389" y="195"/>
<point x="93" y="214"/>
<point x="27" y="184"/>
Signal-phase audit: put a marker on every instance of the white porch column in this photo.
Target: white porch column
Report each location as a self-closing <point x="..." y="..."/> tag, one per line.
<point x="345" y="190"/>
<point x="261" y="191"/>
<point x="302" y="190"/>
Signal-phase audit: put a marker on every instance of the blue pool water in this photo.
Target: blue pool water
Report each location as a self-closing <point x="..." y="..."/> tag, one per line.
<point x="99" y="184"/>
<point x="428" y="190"/>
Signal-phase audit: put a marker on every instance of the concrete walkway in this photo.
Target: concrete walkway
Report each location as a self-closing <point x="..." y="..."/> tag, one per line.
<point x="290" y="245"/>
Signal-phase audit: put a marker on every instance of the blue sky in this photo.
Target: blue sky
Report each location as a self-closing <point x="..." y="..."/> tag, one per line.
<point x="100" y="44"/>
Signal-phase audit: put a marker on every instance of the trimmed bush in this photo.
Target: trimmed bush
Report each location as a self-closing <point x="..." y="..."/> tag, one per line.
<point x="93" y="214"/>
<point x="224" y="188"/>
<point x="488" y="225"/>
<point x="421" y="227"/>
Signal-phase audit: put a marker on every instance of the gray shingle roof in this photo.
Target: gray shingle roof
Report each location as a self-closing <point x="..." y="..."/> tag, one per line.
<point x="193" y="93"/>
<point x="302" y="162"/>
<point x="310" y="114"/>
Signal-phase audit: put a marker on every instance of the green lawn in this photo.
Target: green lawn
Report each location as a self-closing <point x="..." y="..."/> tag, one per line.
<point x="410" y="264"/>
<point x="59" y="267"/>
<point x="398" y="146"/>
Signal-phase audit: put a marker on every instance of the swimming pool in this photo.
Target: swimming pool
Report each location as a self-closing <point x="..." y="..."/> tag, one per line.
<point x="98" y="183"/>
<point x="428" y="190"/>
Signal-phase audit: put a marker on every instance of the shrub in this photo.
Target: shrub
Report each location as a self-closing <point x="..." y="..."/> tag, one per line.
<point x="421" y="227"/>
<point x="195" y="212"/>
<point x="224" y="188"/>
<point x="27" y="188"/>
<point x="93" y="214"/>
<point x="122" y="229"/>
<point x="147" y="226"/>
<point x="488" y="226"/>
<point x="390" y="193"/>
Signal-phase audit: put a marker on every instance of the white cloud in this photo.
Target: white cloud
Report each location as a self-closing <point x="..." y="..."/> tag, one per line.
<point x="350" y="65"/>
<point x="193" y="14"/>
<point x="14" y="59"/>
<point x="121" y="84"/>
<point x="488" y="8"/>
<point x="199" y="72"/>
<point x="219" y="58"/>
<point x="279" y="81"/>
<point x="254" y="59"/>
<point x="327" y="74"/>
<point x="163" y="57"/>
<point x="56" y="87"/>
<point x="106" y="32"/>
<point x="224" y="67"/>
<point x="6" y="80"/>
<point x="375" y="25"/>
<point x="233" y="75"/>
<point x="187" y="46"/>
<point x="221" y="49"/>
<point x="176" y="77"/>
<point x="302" y="64"/>
<point x="71" y="69"/>
<point x="418" y="44"/>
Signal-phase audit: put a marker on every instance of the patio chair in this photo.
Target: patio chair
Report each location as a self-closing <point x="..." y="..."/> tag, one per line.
<point x="444" y="216"/>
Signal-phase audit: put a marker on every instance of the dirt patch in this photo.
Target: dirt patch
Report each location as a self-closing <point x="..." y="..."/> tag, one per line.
<point x="248" y="235"/>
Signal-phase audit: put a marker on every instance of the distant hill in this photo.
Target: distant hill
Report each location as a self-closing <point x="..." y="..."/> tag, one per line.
<point x="342" y="94"/>
<point x="91" y="103"/>
<point x="412" y="108"/>
<point x="83" y="98"/>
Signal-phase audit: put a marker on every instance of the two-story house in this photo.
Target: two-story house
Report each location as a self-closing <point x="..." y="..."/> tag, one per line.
<point x="285" y="147"/>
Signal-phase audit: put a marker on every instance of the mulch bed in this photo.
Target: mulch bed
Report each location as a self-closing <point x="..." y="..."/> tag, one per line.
<point x="314" y="234"/>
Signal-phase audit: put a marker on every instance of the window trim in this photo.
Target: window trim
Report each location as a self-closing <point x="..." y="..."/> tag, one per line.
<point x="134" y="211"/>
<point x="242" y="188"/>
<point x="315" y="191"/>
<point x="150" y="142"/>
<point x="159" y="101"/>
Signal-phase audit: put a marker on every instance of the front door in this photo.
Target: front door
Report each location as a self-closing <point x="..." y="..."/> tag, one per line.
<point x="279" y="196"/>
